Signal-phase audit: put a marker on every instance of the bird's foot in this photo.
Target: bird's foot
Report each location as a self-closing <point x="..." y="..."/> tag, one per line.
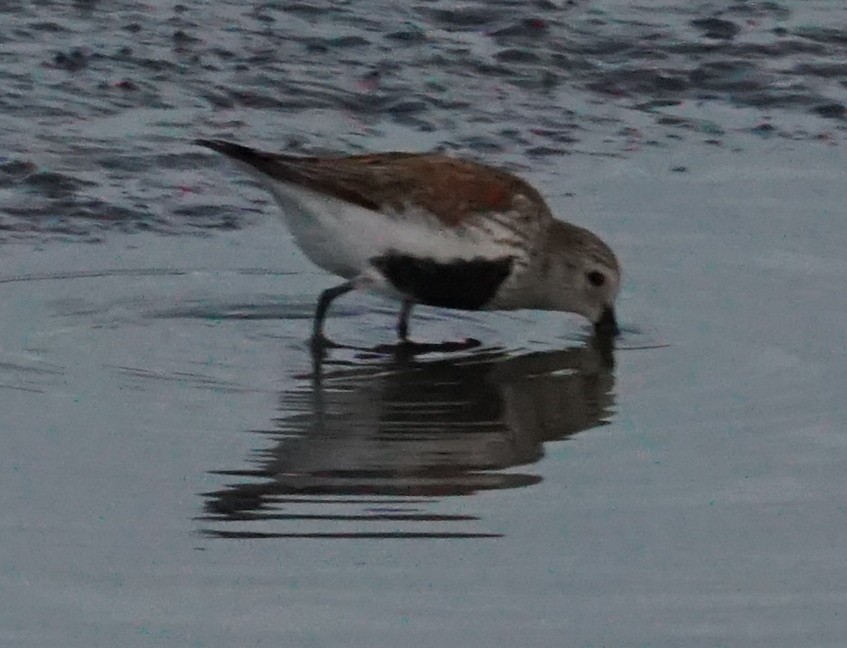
<point x="409" y="347"/>
<point x="320" y="344"/>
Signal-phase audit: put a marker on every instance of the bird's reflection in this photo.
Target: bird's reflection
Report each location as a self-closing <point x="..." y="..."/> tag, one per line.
<point x="373" y="448"/>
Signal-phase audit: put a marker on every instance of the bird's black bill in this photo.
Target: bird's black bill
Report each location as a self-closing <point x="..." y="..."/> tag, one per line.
<point x="607" y="324"/>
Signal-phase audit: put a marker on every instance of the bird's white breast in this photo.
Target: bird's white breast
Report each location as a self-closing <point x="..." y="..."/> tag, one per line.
<point x="342" y="237"/>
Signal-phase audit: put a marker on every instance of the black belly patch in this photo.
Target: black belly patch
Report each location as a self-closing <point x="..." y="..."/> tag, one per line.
<point x="467" y="285"/>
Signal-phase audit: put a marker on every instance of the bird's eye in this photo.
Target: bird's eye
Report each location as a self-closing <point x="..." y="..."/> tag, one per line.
<point x="596" y="278"/>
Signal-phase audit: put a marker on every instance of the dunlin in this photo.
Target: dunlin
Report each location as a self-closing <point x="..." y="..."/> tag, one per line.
<point x="430" y="229"/>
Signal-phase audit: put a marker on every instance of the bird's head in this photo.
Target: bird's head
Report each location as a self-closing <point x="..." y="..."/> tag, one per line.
<point x="582" y="275"/>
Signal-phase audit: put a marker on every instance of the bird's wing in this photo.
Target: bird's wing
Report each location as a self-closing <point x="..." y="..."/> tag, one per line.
<point x="456" y="192"/>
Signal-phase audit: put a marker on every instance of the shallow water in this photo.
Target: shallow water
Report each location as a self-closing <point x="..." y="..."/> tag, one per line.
<point x="174" y="468"/>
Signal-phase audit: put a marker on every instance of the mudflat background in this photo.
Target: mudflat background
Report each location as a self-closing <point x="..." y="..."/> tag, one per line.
<point x="175" y="471"/>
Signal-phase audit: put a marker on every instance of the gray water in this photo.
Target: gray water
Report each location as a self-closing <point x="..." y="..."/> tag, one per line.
<point x="174" y="470"/>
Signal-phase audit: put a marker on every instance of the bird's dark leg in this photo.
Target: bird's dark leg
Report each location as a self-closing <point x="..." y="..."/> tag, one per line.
<point x="403" y="322"/>
<point x="318" y="338"/>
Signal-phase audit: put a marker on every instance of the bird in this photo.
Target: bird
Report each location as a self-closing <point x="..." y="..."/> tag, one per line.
<point x="432" y="229"/>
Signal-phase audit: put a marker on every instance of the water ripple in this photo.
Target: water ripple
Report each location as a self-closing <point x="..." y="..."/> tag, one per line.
<point x="91" y="91"/>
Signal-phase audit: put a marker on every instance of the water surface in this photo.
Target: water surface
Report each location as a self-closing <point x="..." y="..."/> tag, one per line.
<point x="175" y="470"/>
